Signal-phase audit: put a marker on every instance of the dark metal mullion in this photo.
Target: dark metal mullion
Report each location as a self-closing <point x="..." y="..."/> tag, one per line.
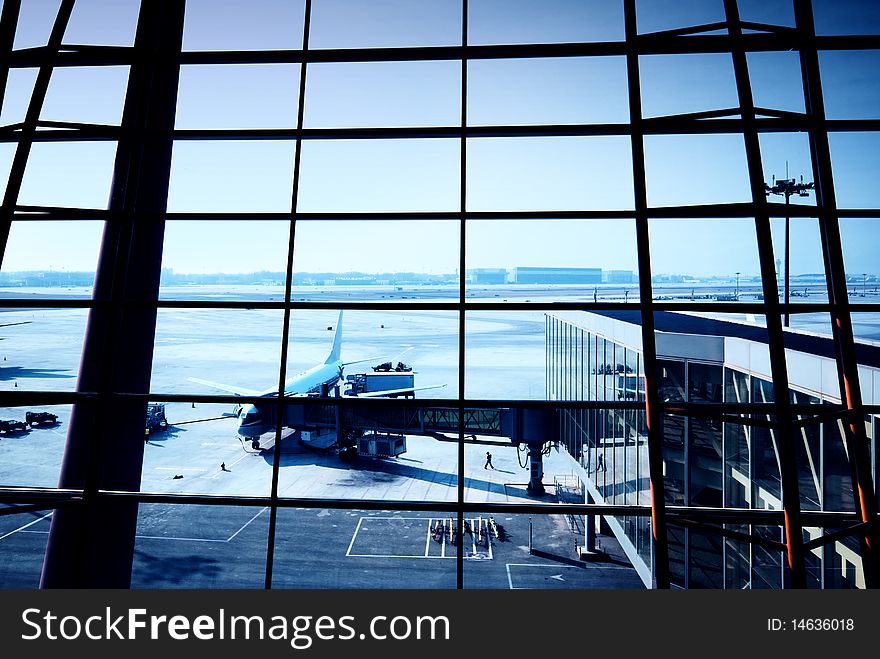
<point x="776" y="342"/>
<point x="288" y="286"/>
<point x="653" y="417"/>
<point x="855" y="437"/>
<point x="462" y="296"/>
<point x="29" y="129"/>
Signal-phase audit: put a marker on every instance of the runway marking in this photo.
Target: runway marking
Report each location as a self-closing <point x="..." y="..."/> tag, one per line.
<point x="473" y="556"/>
<point x="247" y="523"/>
<point x="557" y="577"/>
<point x="220" y="471"/>
<point x="22" y="528"/>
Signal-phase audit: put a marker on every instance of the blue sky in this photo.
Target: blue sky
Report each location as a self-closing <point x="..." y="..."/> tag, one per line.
<point x="507" y="174"/>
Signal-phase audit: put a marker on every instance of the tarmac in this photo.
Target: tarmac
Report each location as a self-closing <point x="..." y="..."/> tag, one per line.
<point x="202" y="546"/>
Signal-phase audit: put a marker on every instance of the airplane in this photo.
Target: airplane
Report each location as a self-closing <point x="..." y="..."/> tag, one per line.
<point x="257" y="419"/>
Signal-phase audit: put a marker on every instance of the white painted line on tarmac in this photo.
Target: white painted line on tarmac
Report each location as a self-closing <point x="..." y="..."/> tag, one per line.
<point x="246" y="524"/>
<point x="22" y="528"/>
<point x="354" y="536"/>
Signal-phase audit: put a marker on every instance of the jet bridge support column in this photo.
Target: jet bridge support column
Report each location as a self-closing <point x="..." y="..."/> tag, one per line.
<point x="536" y="469"/>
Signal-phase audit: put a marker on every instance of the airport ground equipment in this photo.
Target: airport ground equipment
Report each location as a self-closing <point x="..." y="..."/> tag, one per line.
<point x="12" y="425"/>
<point x="388" y="367"/>
<point x="40" y="418"/>
<point x="381" y="380"/>
<point x="381" y="445"/>
<point x="156" y="420"/>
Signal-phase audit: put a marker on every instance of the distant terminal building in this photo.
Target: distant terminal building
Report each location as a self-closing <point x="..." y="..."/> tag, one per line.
<point x="618" y="277"/>
<point x="539" y="275"/>
<point x="707" y="461"/>
<point x="487" y="276"/>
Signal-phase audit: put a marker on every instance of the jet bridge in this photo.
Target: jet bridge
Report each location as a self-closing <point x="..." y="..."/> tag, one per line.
<point x="533" y="427"/>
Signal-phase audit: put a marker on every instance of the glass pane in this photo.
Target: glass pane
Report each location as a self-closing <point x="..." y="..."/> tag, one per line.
<point x="205" y="260"/>
<point x="233" y="25"/>
<point x="425" y="341"/>
<point x="231" y="176"/>
<point x="42" y="348"/>
<point x="544" y="21"/>
<point x="238" y="96"/>
<point x="696" y="169"/>
<point x="505" y="356"/>
<point x="51" y="258"/>
<point x="846" y="17"/>
<point x="788" y="169"/>
<point x="193" y="448"/>
<point x="553" y="563"/>
<point x="722" y="259"/>
<point x="564" y="90"/>
<point x="551" y="260"/>
<point x="180" y="546"/>
<point x="776" y="81"/>
<point x="89" y="94"/>
<point x="33" y="444"/>
<point x="855" y="158"/>
<point x="680" y="84"/>
<point x="19" y="88"/>
<point x="373" y="94"/>
<point x="69" y="174"/>
<point x="103" y="22"/>
<point x="385" y="23"/>
<point x="239" y="349"/>
<point x="769" y="12"/>
<point x="363" y="549"/>
<point x="22" y="548"/>
<point x="858" y="237"/>
<point x="549" y="173"/>
<point x="35" y="21"/>
<point x="705" y="560"/>
<point x="379" y="175"/>
<point x="837" y="472"/>
<point x="806" y="267"/>
<point x="376" y="260"/>
<point x="851" y="83"/>
<point x="658" y="15"/>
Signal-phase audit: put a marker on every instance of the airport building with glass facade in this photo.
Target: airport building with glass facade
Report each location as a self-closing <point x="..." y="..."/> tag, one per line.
<point x="707" y="462"/>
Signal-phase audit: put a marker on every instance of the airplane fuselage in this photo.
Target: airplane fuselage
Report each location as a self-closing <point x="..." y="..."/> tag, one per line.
<point x="257" y="419"/>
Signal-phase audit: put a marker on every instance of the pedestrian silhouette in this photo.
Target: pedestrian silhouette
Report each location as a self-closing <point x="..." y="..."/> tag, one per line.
<point x="222" y="466"/>
<point x="600" y="466"/>
<point x="488" y="461"/>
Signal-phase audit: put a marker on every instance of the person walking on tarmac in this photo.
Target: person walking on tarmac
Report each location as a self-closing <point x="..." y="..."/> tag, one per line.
<point x="488" y="461"/>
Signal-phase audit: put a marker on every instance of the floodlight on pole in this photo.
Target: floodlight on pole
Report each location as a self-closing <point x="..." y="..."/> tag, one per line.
<point x="788" y="187"/>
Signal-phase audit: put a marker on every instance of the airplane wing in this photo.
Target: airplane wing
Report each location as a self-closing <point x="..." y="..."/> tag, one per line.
<point x="238" y="391"/>
<point x="387" y="392"/>
<point x="379" y="357"/>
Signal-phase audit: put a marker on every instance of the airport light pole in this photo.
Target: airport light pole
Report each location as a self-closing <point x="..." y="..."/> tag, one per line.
<point x="736" y="289"/>
<point x="787" y="187"/>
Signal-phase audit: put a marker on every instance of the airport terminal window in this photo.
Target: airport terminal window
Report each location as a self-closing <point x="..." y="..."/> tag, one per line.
<point x="534" y="218"/>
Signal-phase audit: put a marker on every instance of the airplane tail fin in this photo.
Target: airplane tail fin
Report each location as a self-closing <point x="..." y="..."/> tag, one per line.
<point x="336" y="351"/>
